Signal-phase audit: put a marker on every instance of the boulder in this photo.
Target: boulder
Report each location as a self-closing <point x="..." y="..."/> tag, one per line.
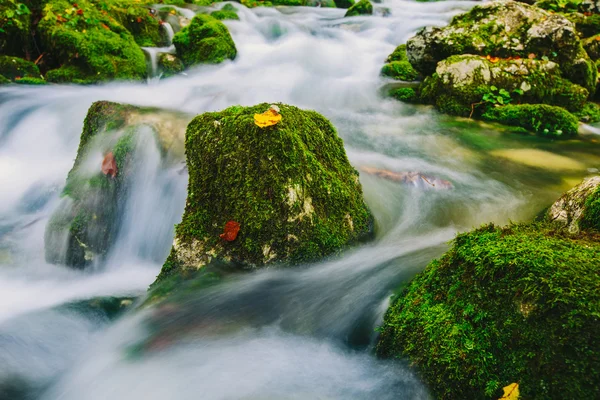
<point x="579" y="208"/>
<point x="464" y="84"/>
<point x="518" y="304"/>
<point x="169" y="65"/>
<point x="288" y="187"/>
<point x="506" y="29"/>
<point x="397" y="66"/>
<point x="226" y="12"/>
<point x="85" y="225"/>
<point x="15" y="68"/>
<point x="205" y="40"/>
<point x="363" y="7"/>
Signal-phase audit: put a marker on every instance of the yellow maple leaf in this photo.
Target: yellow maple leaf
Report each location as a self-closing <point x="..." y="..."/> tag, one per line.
<point x="268" y="118"/>
<point x="511" y="392"/>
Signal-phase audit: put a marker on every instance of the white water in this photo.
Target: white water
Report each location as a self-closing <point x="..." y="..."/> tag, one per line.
<point x="296" y="333"/>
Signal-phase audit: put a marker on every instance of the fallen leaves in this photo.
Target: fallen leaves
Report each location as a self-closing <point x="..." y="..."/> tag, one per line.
<point x="230" y="231"/>
<point x="268" y="118"/>
<point x="109" y="165"/>
<point x="511" y="392"/>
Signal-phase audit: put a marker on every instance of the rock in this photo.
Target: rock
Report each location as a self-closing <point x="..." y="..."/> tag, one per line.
<point x="226" y="12"/>
<point x="169" y="65"/>
<point x="463" y="85"/>
<point x="344" y="3"/>
<point x="14" y="67"/>
<point x="412" y="178"/>
<point x="85" y="225"/>
<point x="363" y="7"/>
<point x="205" y="40"/>
<point x="579" y="208"/>
<point x="505" y="29"/>
<point x="592" y="47"/>
<point x="543" y="120"/>
<point x="289" y="186"/>
<point x="503" y="305"/>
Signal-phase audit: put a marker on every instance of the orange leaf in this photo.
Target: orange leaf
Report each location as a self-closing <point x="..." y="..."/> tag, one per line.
<point x="109" y="165"/>
<point x="531" y="56"/>
<point x="268" y="118"/>
<point x="511" y="392"/>
<point x="230" y="231"/>
<point x="494" y="59"/>
<point x="105" y="26"/>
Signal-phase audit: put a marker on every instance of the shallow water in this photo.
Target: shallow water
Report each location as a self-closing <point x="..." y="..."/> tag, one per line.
<point x="306" y="332"/>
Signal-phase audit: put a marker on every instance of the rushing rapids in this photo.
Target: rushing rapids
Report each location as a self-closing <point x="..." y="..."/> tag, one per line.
<point x="306" y="332"/>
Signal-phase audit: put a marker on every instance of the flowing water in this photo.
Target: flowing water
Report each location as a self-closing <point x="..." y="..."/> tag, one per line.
<point x="295" y="333"/>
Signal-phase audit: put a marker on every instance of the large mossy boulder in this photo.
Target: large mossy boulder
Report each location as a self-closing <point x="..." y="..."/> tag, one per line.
<point x="205" y="40"/>
<point x="579" y="208"/>
<point x="515" y="304"/>
<point x="87" y="44"/>
<point x="289" y="188"/>
<point x="85" y="225"/>
<point x="506" y="29"/>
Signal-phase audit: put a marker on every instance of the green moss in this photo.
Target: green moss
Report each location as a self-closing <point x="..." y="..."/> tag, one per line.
<point x="289" y="186"/>
<point x="399" y="54"/>
<point x="137" y="19"/>
<point x="590" y="113"/>
<point x="516" y="304"/>
<point x="14" y="67"/>
<point x="344" y="3"/>
<point x="88" y="46"/>
<point x="363" y="7"/>
<point x="591" y="214"/>
<point x="169" y="65"/>
<point x="408" y="95"/>
<point x="544" y="120"/>
<point x="205" y="40"/>
<point x="4" y="80"/>
<point x="31" y="81"/>
<point x="224" y="14"/>
<point x="400" y="70"/>
<point x="15" y="27"/>
<point x="69" y="74"/>
<point x="586" y="25"/>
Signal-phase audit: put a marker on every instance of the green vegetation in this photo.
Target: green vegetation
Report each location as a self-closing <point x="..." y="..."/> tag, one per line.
<point x="226" y="12"/>
<point x="14" y="67"/>
<point x="591" y="215"/>
<point x="205" y="40"/>
<point x="289" y="186"/>
<point x="15" y="24"/>
<point x="543" y="119"/>
<point x="407" y="95"/>
<point x="514" y="304"/>
<point x="400" y="70"/>
<point x="363" y="7"/>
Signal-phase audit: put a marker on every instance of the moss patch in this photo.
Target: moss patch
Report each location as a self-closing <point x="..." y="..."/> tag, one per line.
<point x="400" y="70"/>
<point x="205" y="40"/>
<point x="289" y="186"/>
<point x="363" y="7"/>
<point x="591" y="215"/>
<point x="14" y="67"/>
<point x="226" y="12"/>
<point x="515" y="304"/>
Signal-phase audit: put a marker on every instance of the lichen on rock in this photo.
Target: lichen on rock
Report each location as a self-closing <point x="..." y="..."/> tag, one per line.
<point x="579" y="208"/>
<point x="289" y="186"/>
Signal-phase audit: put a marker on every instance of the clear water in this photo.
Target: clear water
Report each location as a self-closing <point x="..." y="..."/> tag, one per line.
<point x="298" y="333"/>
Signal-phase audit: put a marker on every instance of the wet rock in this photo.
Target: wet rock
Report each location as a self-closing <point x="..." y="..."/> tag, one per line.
<point x="205" y="40"/>
<point x="398" y="67"/>
<point x="14" y="68"/>
<point x="506" y="29"/>
<point x="169" y="65"/>
<point x="85" y="226"/>
<point x="363" y="7"/>
<point x="579" y="208"/>
<point x="289" y="186"/>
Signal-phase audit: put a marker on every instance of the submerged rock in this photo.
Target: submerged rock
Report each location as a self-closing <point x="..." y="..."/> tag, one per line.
<point x="579" y="208"/>
<point x="85" y="226"/>
<point x="169" y="65"/>
<point x="205" y="40"/>
<point x="411" y="178"/>
<point x="289" y="187"/>
<point x="503" y="305"/>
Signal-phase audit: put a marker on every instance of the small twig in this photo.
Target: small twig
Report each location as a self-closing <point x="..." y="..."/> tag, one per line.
<point x="39" y="58"/>
<point x="425" y="179"/>
<point x="473" y="108"/>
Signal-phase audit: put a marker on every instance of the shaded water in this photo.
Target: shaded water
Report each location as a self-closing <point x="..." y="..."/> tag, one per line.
<point x="305" y="332"/>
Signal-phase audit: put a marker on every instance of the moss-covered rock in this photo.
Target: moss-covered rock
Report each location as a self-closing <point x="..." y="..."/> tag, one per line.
<point x="398" y="67"/>
<point x="169" y="65"/>
<point x="289" y="186"/>
<point x="542" y="119"/>
<point x="589" y="113"/>
<point x="86" y="224"/>
<point x="585" y="24"/>
<point x="226" y="12"/>
<point x="506" y="29"/>
<point x="467" y="85"/>
<point x="87" y="44"/>
<point x="363" y="7"/>
<point x="31" y="81"/>
<point x="4" y="80"/>
<point x="14" y="67"/>
<point x="205" y="40"/>
<point x="344" y="3"/>
<point x="503" y="305"/>
<point x="592" y="47"/>
<point x="405" y="94"/>
<point x="579" y="208"/>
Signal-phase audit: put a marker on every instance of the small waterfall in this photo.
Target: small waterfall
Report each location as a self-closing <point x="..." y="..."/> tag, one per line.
<point x="169" y="32"/>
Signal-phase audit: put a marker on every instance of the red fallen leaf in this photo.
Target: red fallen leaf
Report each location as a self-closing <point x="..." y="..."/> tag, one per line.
<point x="105" y="26"/>
<point x="75" y="5"/>
<point x="80" y="12"/>
<point x="109" y="165"/>
<point x="139" y="20"/>
<point x="231" y="231"/>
